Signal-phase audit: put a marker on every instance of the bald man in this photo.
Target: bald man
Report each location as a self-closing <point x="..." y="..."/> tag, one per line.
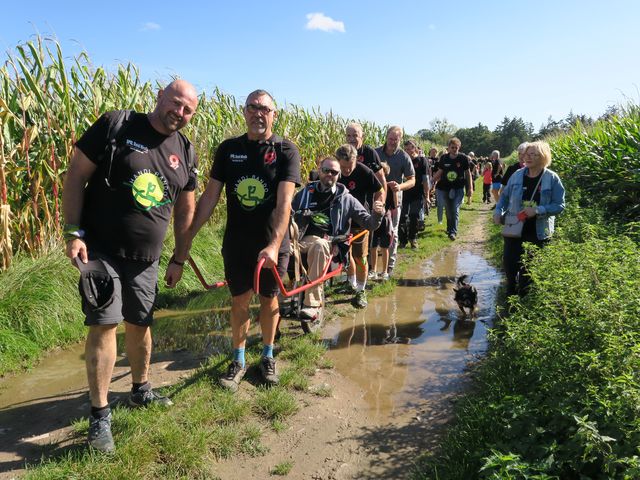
<point x="128" y="172"/>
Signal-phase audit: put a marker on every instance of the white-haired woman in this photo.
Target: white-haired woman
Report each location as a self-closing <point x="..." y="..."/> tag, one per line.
<point x="536" y="195"/>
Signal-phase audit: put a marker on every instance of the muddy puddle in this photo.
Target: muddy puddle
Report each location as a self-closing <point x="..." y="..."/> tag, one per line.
<point x="412" y="345"/>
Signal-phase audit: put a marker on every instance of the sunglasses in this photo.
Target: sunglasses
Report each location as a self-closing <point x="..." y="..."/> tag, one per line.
<point x="259" y="108"/>
<point x="328" y="170"/>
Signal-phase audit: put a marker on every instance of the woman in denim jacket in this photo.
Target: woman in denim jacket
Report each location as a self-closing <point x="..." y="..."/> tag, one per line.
<point x="536" y="208"/>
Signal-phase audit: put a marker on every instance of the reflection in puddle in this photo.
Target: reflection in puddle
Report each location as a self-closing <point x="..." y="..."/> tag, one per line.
<point x="415" y="341"/>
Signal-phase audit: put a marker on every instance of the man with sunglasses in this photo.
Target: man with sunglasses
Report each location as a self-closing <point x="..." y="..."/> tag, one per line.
<point x="259" y="171"/>
<point x="324" y="211"/>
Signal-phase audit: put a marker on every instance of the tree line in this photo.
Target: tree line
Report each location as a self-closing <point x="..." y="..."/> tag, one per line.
<point x="507" y="135"/>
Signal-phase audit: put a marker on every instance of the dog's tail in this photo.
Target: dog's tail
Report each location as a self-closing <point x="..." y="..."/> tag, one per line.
<point x="462" y="280"/>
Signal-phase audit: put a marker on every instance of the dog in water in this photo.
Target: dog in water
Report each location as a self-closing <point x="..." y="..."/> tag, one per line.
<point x="466" y="295"/>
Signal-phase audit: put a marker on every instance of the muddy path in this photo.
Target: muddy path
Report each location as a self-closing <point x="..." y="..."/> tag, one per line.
<point x="399" y="364"/>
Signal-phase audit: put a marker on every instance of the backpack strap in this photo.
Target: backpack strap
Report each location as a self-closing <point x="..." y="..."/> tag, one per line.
<point x="113" y="135"/>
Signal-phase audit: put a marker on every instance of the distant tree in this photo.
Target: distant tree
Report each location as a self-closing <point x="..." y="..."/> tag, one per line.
<point x="611" y="112"/>
<point x="552" y="127"/>
<point x="510" y="133"/>
<point x="478" y="139"/>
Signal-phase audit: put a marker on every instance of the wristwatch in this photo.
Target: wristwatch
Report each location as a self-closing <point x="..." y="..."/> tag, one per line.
<point x="173" y="260"/>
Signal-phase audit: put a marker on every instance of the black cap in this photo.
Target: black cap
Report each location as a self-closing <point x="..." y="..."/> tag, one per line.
<point x="96" y="284"/>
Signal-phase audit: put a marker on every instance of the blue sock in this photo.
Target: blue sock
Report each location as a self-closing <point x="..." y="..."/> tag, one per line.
<point x="267" y="351"/>
<point x="238" y="355"/>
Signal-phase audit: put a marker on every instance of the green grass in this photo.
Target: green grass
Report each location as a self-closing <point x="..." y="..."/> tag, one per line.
<point x="282" y="469"/>
<point x="39" y="310"/>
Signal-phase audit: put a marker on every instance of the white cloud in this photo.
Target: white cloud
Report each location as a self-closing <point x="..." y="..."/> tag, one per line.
<point x="319" y="21"/>
<point x="150" y="26"/>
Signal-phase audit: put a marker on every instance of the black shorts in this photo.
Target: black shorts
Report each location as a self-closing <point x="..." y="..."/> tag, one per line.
<point x="239" y="268"/>
<point x="135" y="289"/>
<point x="382" y="236"/>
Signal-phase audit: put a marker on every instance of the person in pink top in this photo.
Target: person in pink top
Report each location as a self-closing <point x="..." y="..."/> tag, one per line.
<point x="486" y="183"/>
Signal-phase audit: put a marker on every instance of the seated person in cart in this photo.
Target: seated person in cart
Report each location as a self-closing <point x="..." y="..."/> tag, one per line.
<point x="324" y="210"/>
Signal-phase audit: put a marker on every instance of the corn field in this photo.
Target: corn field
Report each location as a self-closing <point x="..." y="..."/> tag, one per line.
<point x="48" y="100"/>
<point x="603" y="161"/>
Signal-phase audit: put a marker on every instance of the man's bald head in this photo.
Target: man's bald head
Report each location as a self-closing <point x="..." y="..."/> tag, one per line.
<point x="175" y="106"/>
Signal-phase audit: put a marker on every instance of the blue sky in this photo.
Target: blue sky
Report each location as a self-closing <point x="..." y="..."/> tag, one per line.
<point x="404" y="62"/>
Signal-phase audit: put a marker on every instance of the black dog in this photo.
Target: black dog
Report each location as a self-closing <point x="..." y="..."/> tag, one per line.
<point x="466" y="295"/>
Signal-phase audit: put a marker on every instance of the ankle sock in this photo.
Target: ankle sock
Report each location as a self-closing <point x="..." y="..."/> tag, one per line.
<point x="360" y="286"/>
<point x="267" y="351"/>
<point x="352" y="280"/>
<point x="100" y="412"/>
<point x="238" y="355"/>
<point x="137" y="386"/>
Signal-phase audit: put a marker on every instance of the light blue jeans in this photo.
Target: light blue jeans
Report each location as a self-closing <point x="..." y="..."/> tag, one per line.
<point x="451" y="207"/>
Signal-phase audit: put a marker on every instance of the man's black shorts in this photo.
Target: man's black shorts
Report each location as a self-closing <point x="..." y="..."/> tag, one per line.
<point x="239" y="268"/>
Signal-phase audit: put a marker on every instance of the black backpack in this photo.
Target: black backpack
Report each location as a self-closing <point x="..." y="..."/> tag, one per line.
<point x="117" y="130"/>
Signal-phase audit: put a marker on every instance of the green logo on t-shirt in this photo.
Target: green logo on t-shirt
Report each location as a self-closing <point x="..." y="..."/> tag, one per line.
<point x="451" y="176"/>
<point x="250" y="192"/>
<point x="320" y="219"/>
<point x="148" y="190"/>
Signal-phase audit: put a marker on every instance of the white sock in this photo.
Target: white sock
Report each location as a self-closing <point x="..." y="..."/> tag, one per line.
<point x="352" y="280"/>
<point x="360" y="286"/>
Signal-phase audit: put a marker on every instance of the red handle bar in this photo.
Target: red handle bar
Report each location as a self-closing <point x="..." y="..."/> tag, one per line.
<point x="196" y="270"/>
<point x="326" y="275"/>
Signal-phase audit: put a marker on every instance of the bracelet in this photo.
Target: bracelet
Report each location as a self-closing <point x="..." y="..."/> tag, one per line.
<point x="173" y="260"/>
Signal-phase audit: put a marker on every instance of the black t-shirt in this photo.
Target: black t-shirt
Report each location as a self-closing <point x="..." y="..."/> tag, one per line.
<point x="511" y="169"/>
<point x="251" y="172"/>
<point x="497" y="169"/>
<point x="453" y="171"/>
<point x="417" y="191"/>
<point x="320" y="219"/>
<point x="528" y="184"/>
<point x="370" y="158"/>
<point x="149" y="172"/>
<point x="362" y="184"/>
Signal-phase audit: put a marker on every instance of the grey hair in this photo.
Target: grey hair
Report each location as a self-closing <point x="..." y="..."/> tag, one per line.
<point x="346" y="152"/>
<point x="495" y="152"/>
<point x="522" y="147"/>
<point x="355" y="126"/>
<point x="259" y="93"/>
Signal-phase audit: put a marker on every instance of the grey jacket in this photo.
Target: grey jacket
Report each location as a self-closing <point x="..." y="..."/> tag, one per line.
<point x="344" y="209"/>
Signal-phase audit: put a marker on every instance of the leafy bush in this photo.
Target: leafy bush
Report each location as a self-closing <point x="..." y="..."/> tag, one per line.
<point x="559" y="394"/>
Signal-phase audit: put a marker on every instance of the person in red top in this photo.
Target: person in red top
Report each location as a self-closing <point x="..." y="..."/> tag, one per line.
<point x="486" y="183"/>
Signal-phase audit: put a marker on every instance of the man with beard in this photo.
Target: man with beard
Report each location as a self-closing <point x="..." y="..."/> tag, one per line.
<point x="127" y="173"/>
<point x="324" y="210"/>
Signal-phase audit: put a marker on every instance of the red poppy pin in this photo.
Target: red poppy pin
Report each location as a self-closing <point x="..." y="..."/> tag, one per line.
<point x="174" y="161"/>
<point x="361" y="158"/>
<point x="351" y="185"/>
<point x="269" y="157"/>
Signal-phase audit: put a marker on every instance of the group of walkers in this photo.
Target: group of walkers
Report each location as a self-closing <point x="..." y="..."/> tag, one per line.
<point x="130" y="173"/>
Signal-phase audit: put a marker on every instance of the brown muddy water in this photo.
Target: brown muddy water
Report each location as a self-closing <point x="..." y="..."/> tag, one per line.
<point x="414" y="344"/>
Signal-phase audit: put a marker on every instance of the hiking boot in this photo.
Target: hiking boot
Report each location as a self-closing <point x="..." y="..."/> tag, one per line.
<point x="145" y="396"/>
<point x="384" y="277"/>
<point x="231" y="379"/>
<point x="346" y="288"/>
<point x="414" y="244"/>
<point x="100" y="436"/>
<point x="360" y="300"/>
<point x="268" y="371"/>
<point x="452" y="237"/>
<point x="373" y="275"/>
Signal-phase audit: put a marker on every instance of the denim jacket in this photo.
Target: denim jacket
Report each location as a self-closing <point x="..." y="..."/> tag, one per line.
<point x="551" y="200"/>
